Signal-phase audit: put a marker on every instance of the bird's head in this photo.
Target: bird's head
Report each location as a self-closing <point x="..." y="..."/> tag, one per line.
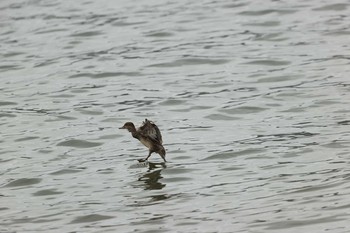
<point x="129" y="126"/>
<point x="162" y="154"/>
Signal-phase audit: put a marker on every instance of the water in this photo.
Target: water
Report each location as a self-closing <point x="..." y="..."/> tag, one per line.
<point x="252" y="100"/>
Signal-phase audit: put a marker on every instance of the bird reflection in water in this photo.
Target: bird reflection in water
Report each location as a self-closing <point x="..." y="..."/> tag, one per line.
<point x="150" y="180"/>
<point x="152" y="176"/>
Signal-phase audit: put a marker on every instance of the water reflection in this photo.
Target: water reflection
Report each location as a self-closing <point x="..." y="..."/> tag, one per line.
<point x="152" y="176"/>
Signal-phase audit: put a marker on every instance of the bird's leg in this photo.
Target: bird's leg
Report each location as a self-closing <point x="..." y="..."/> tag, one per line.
<point x="149" y="154"/>
<point x="143" y="160"/>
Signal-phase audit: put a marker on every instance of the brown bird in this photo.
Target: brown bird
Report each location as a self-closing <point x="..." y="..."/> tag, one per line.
<point x="149" y="135"/>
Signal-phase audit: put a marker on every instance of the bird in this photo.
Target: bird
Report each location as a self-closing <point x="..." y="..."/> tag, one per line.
<point x="149" y="135"/>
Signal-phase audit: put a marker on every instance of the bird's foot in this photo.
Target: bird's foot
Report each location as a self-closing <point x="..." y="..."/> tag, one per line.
<point x="142" y="160"/>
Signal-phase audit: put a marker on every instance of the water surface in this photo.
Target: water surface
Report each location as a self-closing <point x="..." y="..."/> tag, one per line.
<point x="252" y="100"/>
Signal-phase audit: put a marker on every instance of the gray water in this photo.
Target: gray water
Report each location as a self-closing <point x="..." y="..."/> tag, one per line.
<point x="252" y="98"/>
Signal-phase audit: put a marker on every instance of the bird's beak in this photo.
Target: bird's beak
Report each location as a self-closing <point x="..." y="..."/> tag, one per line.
<point x="122" y="127"/>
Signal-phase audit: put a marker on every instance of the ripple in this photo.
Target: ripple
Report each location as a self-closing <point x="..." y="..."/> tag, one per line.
<point x="87" y="34"/>
<point x="45" y="63"/>
<point x="178" y="170"/>
<point x="26" y="139"/>
<point x="160" y="34"/>
<point x="66" y="171"/>
<point x="63" y="96"/>
<point x="176" y="179"/>
<point x="51" y="30"/>
<point x="3" y="103"/>
<point x="105" y="74"/>
<point x="137" y="103"/>
<point x="267" y="11"/>
<point x="270" y="37"/>
<point x="79" y="143"/>
<point x="23" y="182"/>
<point x="60" y="118"/>
<point x="111" y="136"/>
<point x="265" y="24"/>
<point x="9" y="67"/>
<point x="235" y="5"/>
<point x="268" y="63"/>
<point x="257" y="13"/>
<point x="12" y="54"/>
<point x="317" y="187"/>
<point x="339" y="33"/>
<point x="278" y="137"/>
<point x="346" y="122"/>
<point x="123" y="24"/>
<point x="90" y="218"/>
<point x="277" y="79"/>
<point x="221" y="117"/>
<point x="90" y="112"/>
<point x="243" y="110"/>
<point x="191" y="62"/>
<point x="233" y="154"/>
<point x="171" y="102"/>
<point x="47" y="192"/>
<point x="290" y="224"/>
<point x="333" y="7"/>
<point x="7" y="115"/>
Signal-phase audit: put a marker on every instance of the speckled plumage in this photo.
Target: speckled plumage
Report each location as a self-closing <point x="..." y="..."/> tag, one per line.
<point x="149" y="135"/>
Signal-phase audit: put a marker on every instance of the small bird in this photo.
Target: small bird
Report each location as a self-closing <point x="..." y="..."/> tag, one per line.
<point x="149" y="135"/>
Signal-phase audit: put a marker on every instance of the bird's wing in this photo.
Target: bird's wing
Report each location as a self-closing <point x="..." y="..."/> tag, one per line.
<point x="149" y="129"/>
